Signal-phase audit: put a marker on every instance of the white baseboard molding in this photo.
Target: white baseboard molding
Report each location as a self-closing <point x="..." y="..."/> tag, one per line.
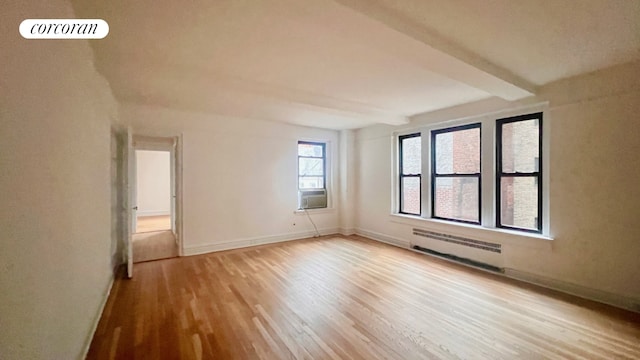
<point x="584" y="292"/>
<point x="391" y="240"/>
<point x="152" y="213"/>
<point x="347" y="231"/>
<point x="619" y="301"/>
<point x="247" y="242"/>
<point x="96" y="321"/>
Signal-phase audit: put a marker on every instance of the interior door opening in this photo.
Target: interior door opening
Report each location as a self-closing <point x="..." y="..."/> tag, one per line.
<point x="153" y="199"/>
<point x="153" y="195"/>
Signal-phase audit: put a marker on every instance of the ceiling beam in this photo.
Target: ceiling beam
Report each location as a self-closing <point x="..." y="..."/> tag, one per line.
<point x="214" y="87"/>
<point x="446" y="57"/>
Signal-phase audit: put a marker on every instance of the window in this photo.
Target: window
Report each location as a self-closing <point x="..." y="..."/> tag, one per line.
<point x="519" y="173"/>
<point x="410" y="174"/>
<point x="455" y="173"/>
<point x="311" y="165"/>
<point x="486" y="171"/>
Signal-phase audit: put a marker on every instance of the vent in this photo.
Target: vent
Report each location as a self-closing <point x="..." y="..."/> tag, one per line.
<point x="312" y="199"/>
<point x="482" y="245"/>
<point x="461" y="260"/>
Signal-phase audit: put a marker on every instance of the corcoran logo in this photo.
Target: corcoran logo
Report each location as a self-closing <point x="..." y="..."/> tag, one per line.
<point x="64" y="29"/>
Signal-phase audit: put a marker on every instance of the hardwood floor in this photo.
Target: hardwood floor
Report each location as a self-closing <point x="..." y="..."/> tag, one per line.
<point x="154" y="245"/>
<point x="153" y="223"/>
<point x="347" y="298"/>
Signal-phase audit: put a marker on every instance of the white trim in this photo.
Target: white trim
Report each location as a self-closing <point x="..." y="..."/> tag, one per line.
<point x="314" y="211"/>
<point x="96" y="320"/>
<point x="347" y="231"/>
<point x="152" y="213"/>
<point x="254" y="241"/>
<point x="504" y="236"/>
<point x="391" y="240"/>
<point x="584" y="292"/>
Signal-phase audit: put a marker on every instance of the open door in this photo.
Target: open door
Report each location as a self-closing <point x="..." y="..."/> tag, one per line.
<point x="173" y="189"/>
<point x="130" y="198"/>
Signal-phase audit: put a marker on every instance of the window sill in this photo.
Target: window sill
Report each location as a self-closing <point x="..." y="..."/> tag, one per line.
<point x="504" y="236"/>
<point x="314" y="211"/>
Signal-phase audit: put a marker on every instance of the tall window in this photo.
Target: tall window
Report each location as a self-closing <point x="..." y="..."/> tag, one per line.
<point x="519" y="172"/>
<point x="410" y="174"/>
<point x="311" y="165"/>
<point x="455" y="173"/>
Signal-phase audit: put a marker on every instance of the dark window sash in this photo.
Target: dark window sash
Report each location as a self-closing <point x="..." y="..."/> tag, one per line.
<point x="435" y="175"/>
<point x="501" y="174"/>
<point x="324" y="162"/>
<point x="402" y="176"/>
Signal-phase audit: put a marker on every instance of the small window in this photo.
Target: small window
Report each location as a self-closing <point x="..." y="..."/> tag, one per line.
<point x="455" y="173"/>
<point x="410" y="174"/>
<point x="519" y="175"/>
<point x="311" y="165"/>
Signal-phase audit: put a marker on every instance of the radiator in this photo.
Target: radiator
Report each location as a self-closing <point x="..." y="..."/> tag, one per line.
<point x="459" y="240"/>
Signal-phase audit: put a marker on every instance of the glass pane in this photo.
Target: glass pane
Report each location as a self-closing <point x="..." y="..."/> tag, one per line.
<point x="519" y="202"/>
<point x="312" y="182"/>
<point x="310" y="150"/>
<point x="457" y="198"/>
<point x="520" y="146"/>
<point x="307" y="166"/>
<point x="411" y="156"/>
<point x="458" y="152"/>
<point x="411" y="195"/>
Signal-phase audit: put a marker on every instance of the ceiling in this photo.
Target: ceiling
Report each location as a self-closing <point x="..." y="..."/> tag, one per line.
<point x="351" y="63"/>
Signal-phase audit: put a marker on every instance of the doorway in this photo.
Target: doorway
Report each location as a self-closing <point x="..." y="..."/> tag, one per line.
<point x="153" y="208"/>
<point x="153" y="239"/>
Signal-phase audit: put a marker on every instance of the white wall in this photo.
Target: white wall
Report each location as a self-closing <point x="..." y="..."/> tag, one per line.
<point x="153" y="179"/>
<point x="239" y="176"/>
<point x="55" y="243"/>
<point x="594" y="191"/>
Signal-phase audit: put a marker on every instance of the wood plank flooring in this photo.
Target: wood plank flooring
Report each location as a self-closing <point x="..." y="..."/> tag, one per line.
<point x="347" y="298"/>
<point x="154" y="245"/>
<point x="153" y="223"/>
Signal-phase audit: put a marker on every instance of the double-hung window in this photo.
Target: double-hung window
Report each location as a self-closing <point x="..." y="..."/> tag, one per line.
<point x="519" y="173"/>
<point x="506" y="152"/>
<point x="455" y="173"/>
<point x="410" y="174"/>
<point x="311" y="165"/>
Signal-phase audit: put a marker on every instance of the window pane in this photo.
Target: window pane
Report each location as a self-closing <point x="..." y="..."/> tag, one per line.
<point x="411" y="155"/>
<point x="520" y="146"/>
<point x="519" y="202"/>
<point x="458" y="152"/>
<point x="457" y="198"/>
<point x="312" y="182"/>
<point x="411" y="195"/>
<point x="310" y="150"/>
<point x="307" y="166"/>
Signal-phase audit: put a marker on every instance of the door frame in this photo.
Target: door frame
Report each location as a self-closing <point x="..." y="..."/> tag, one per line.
<point x="172" y="144"/>
<point x="159" y="142"/>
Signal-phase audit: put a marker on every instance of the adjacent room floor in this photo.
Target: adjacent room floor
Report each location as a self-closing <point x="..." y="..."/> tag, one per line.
<point x="347" y="298"/>
<point x="153" y="223"/>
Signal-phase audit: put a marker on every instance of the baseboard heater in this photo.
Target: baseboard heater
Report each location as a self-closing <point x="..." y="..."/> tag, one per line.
<point x="459" y="240"/>
<point x="461" y="260"/>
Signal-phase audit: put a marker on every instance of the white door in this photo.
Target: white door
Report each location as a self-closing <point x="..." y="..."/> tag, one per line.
<point x="172" y="155"/>
<point x="131" y="206"/>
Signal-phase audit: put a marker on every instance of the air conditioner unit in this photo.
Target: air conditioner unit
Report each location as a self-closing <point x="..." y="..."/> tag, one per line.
<point x="312" y="198"/>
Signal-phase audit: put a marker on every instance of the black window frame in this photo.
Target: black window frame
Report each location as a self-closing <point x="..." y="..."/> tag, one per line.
<point x="435" y="175"/>
<point x="324" y="163"/>
<point x="500" y="174"/>
<point x="402" y="176"/>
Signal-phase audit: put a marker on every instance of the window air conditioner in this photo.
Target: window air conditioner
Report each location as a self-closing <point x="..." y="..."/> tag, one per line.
<point x="312" y="198"/>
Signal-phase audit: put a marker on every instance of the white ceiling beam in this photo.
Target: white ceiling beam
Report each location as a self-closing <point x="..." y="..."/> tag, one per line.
<point x="445" y="57"/>
<point x="207" y="83"/>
